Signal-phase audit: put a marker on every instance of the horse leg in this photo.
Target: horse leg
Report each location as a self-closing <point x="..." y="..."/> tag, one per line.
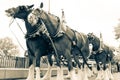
<point x="37" y="68"/>
<point x="90" y="72"/>
<point x="59" y="68"/>
<point x="48" y="73"/>
<point x="70" y="67"/>
<point x="31" y="69"/>
<point x="80" y="73"/>
<point x="84" y="54"/>
<point x="60" y="73"/>
<point x="109" y="72"/>
<point x="76" y="58"/>
<point x="106" y="77"/>
<point x="99" y="73"/>
<point x="85" y="76"/>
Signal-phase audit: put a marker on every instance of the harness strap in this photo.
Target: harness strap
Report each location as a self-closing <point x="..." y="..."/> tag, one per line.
<point x="37" y="33"/>
<point x="74" y="40"/>
<point x="59" y="32"/>
<point x="43" y="32"/>
<point x="47" y="37"/>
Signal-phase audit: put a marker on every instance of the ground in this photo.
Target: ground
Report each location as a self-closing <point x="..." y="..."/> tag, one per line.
<point x="116" y="77"/>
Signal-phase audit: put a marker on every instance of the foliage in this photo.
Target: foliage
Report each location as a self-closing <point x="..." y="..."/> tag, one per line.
<point x="117" y="57"/>
<point x="117" y="31"/>
<point x="7" y="47"/>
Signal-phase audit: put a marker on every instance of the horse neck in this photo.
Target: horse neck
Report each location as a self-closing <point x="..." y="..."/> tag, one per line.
<point x="30" y="29"/>
<point x="50" y="23"/>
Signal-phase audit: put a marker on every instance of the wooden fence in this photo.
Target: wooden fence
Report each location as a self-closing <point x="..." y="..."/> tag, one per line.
<point x="18" y="62"/>
<point x="22" y="62"/>
<point x="13" y="62"/>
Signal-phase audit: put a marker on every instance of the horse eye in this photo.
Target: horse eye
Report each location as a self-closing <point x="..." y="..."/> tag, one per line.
<point x="92" y="37"/>
<point x="22" y="7"/>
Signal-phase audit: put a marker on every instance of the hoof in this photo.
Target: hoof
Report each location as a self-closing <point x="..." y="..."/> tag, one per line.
<point x="48" y="78"/>
<point x="67" y="76"/>
<point x="112" y="78"/>
<point x="37" y="79"/>
<point x="29" y="79"/>
<point x="98" y="79"/>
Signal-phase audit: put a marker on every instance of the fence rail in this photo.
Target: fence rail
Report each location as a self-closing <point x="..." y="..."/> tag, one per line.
<point x="13" y="62"/>
<point x="18" y="62"/>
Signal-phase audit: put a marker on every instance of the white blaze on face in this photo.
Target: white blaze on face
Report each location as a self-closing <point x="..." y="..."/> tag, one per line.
<point x="32" y="19"/>
<point x="90" y="47"/>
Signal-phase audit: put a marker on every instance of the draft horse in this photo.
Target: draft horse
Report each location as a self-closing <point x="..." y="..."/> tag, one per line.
<point x="102" y="57"/>
<point x="41" y="25"/>
<point x="36" y="44"/>
<point x="78" y="42"/>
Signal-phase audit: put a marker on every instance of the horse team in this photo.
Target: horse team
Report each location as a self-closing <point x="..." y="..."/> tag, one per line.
<point x="47" y="36"/>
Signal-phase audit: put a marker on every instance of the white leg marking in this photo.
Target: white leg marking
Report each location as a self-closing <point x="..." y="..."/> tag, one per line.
<point x="80" y="74"/>
<point x="90" y="72"/>
<point x="99" y="75"/>
<point x="31" y="73"/>
<point x="62" y="77"/>
<point x="59" y="74"/>
<point x="48" y="74"/>
<point x="85" y="76"/>
<point x="110" y="74"/>
<point x="37" y="69"/>
<point x="106" y="77"/>
<point x="73" y="75"/>
<point x="67" y="76"/>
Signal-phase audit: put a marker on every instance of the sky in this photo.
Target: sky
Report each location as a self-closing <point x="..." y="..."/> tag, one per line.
<point x="82" y="15"/>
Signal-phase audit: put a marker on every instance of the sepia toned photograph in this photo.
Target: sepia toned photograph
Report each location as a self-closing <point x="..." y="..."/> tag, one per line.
<point x="60" y="40"/>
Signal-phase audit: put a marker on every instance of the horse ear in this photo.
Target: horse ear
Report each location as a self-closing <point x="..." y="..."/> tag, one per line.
<point x="92" y="33"/>
<point x="30" y="6"/>
<point x="41" y="5"/>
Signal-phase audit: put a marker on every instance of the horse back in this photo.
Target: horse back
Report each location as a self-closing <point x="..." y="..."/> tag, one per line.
<point x="80" y="38"/>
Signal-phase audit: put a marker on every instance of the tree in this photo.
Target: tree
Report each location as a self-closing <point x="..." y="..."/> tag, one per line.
<point x="117" y="58"/>
<point x="7" y="47"/>
<point x="117" y="31"/>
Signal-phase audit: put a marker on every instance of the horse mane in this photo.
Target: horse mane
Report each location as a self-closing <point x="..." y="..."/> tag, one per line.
<point x="53" y="15"/>
<point x="50" y="14"/>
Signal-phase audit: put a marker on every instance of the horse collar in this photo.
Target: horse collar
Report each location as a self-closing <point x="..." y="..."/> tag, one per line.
<point x="38" y="32"/>
<point x="59" y="32"/>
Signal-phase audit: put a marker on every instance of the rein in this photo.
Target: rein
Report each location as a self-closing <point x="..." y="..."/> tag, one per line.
<point x="20" y="27"/>
<point x="45" y="32"/>
<point x="59" y="32"/>
<point x="15" y="35"/>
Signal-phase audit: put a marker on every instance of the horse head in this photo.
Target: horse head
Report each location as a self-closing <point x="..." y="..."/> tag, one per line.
<point x="22" y="12"/>
<point x="91" y="37"/>
<point x="19" y="12"/>
<point x="94" y="40"/>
